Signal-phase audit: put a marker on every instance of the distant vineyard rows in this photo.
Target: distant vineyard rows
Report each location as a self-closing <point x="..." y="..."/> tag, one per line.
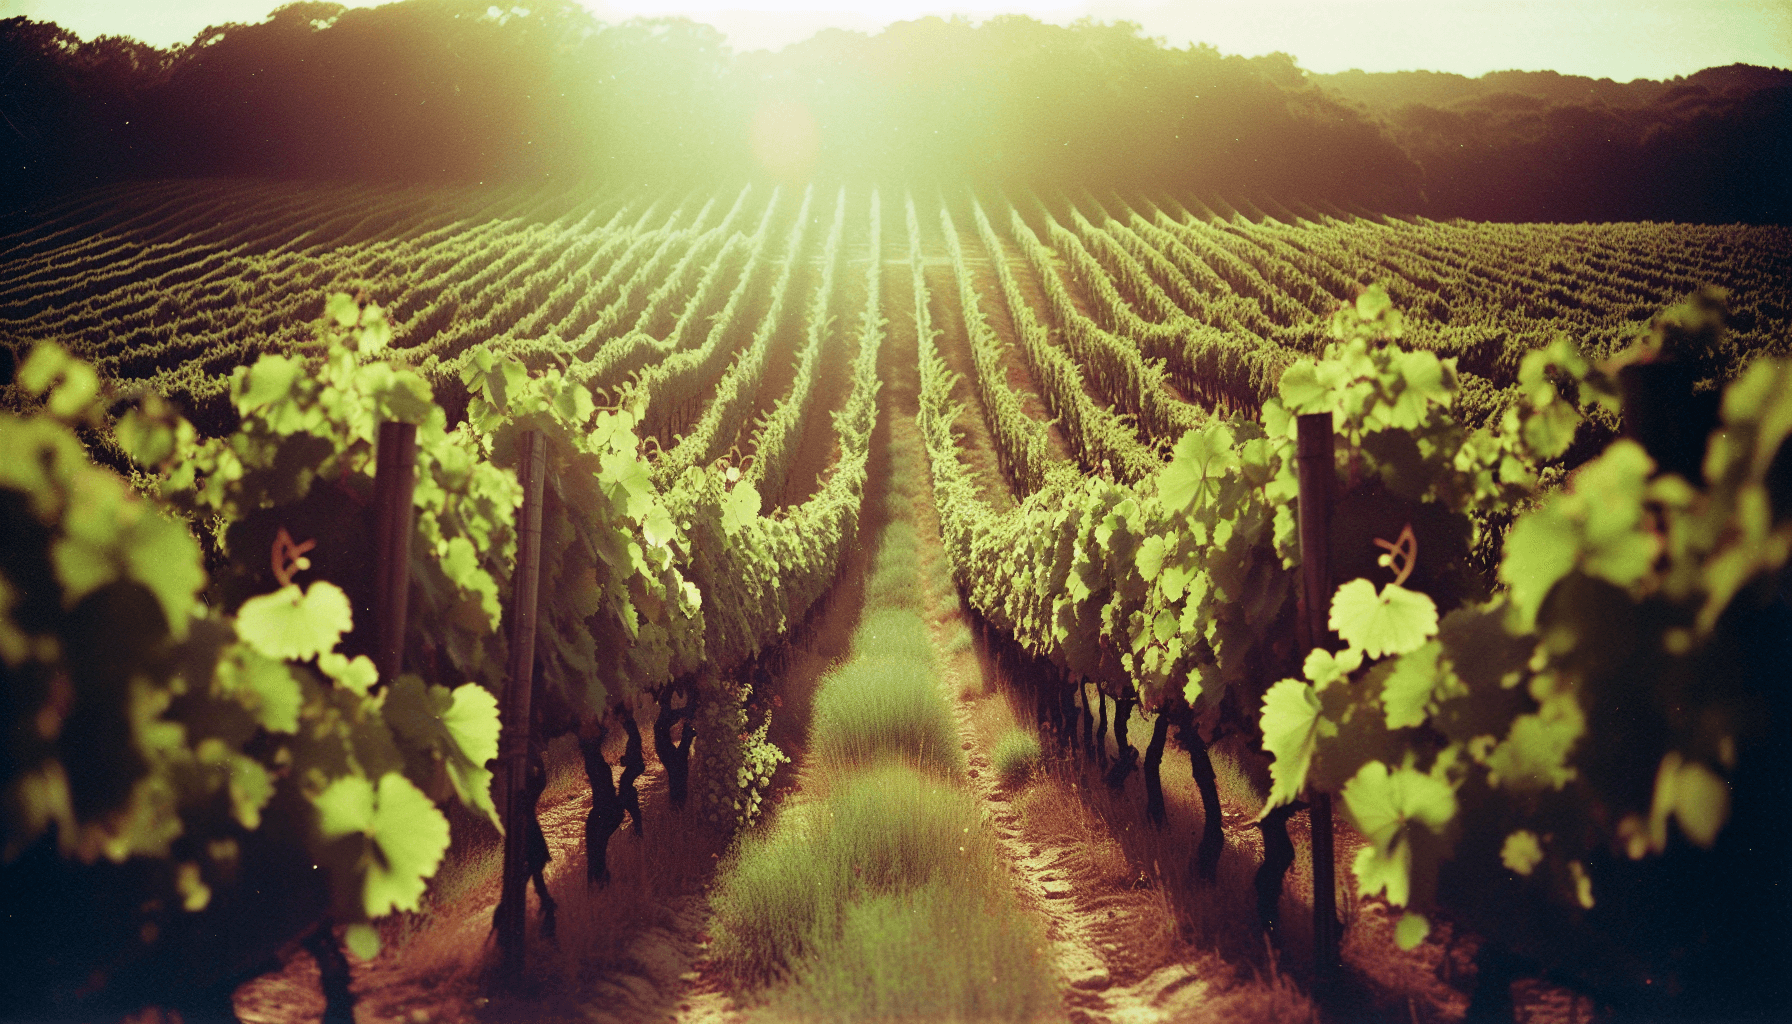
<point x="1146" y="308"/>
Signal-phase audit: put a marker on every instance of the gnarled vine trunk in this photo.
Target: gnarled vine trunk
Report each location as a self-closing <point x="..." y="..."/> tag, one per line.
<point x="606" y="808"/>
<point x="1154" y="759"/>
<point x="1278" y="857"/>
<point x="1126" y="759"/>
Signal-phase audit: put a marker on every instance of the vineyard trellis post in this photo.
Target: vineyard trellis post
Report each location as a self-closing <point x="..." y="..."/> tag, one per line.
<point x="394" y="490"/>
<point x="1316" y="468"/>
<point x="513" y="753"/>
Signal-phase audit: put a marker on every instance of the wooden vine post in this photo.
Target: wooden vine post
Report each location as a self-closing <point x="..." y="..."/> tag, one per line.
<point x="513" y="752"/>
<point x="394" y="495"/>
<point x="1314" y="466"/>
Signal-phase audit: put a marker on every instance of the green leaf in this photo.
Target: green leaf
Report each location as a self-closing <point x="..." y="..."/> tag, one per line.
<point x="1149" y="558"/>
<point x="1534" y="755"/>
<point x="74" y="396"/>
<point x="412" y="836"/>
<point x="295" y="625"/>
<point x="1301" y="389"/>
<point x="81" y="568"/>
<point x="1383" y="803"/>
<point x="1394" y="622"/>
<point x="270" y="380"/>
<point x="1411" y="930"/>
<point x="342" y="308"/>
<point x="409" y="833"/>
<point x="194" y="893"/>
<point x="1390" y="872"/>
<point x="1697" y="797"/>
<point x="1323" y="668"/>
<point x="1373" y="302"/>
<point x="1541" y="548"/>
<point x="363" y="940"/>
<point x="1408" y="690"/>
<point x="165" y="558"/>
<point x="358" y="675"/>
<point x="460" y="563"/>
<point x="1521" y="852"/>
<point x="739" y="508"/>
<point x="1550" y="430"/>
<point x="1202" y="458"/>
<point x="1583" y="884"/>
<point x="473" y="722"/>
<point x="251" y="787"/>
<point x="1385" y="806"/>
<point x="628" y="482"/>
<point x="376" y="333"/>
<point x="657" y="528"/>
<point x="1290" y="730"/>
<point x="264" y="685"/>
<point x="1424" y="375"/>
<point x="41" y="368"/>
<point x="149" y="441"/>
<point x="344" y="807"/>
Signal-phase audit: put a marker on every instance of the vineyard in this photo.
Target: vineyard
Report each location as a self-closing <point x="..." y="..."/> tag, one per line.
<point x="1399" y="607"/>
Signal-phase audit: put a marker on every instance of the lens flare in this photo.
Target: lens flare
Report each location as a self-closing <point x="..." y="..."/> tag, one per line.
<point x="786" y="140"/>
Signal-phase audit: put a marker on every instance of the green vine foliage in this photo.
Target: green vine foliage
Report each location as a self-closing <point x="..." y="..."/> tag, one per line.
<point x="147" y="725"/>
<point x="1598" y="705"/>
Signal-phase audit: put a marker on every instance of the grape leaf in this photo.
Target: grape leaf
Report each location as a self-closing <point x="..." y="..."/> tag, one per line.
<point x="412" y="836"/>
<point x="342" y="308"/>
<point x="363" y="940"/>
<point x="41" y="368"/>
<point x="1384" y="803"/>
<point x="627" y="482"/>
<point x="270" y="380"/>
<point x="194" y="893"/>
<point x="1534" y="754"/>
<point x="358" y="674"/>
<point x="344" y="807"/>
<point x="1373" y="302"/>
<point x="164" y="557"/>
<point x="1390" y="872"/>
<point x="1521" y="851"/>
<point x="263" y="685"/>
<point x="657" y="526"/>
<point x="251" y="787"/>
<point x="739" y="508"/>
<point x="1149" y="559"/>
<point x="1301" y="388"/>
<point x="1411" y="930"/>
<point x="1550" y="430"/>
<point x="473" y="722"/>
<point x="1409" y="686"/>
<point x="1384" y="806"/>
<point x="1202" y="458"/>
<point x="1541" y="548"/>
<point x="295" y="625"/>
<point x="1697" y="797"/>
<point x="1290" y="731"/>
<point x="1323" y="668"/>
<point x="75" y="395"/>
<point x="1394" y="622"/>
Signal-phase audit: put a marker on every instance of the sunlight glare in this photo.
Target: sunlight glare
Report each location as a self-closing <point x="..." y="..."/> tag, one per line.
<point x="786" y="140"/>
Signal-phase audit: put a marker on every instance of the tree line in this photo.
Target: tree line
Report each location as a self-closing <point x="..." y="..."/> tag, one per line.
<point x="465" y="91"/>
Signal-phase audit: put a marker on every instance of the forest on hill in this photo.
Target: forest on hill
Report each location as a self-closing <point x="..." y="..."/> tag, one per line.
<point x="460" y="90"/>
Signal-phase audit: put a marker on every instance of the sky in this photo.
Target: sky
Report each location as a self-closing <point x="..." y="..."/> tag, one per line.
<point x="1597" y="38"/>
